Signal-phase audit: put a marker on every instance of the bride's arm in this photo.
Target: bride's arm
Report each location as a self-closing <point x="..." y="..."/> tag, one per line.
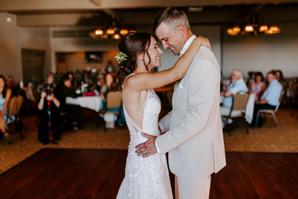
<point x="166" y="88"/>
<point x="142" y="81"/>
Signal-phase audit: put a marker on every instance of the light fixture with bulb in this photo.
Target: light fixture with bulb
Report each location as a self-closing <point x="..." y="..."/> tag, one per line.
<point x="110" y="32"/>
<point x="253" y="29"/>
<point x="253" y="26"/>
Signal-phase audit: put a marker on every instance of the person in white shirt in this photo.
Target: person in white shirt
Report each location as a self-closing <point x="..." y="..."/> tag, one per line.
<point x="237" y="85"/>
<point x="270" y="98"/>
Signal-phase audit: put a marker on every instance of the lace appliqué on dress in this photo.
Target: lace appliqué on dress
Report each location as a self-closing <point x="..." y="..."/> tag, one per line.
<point x="145" y="178"/>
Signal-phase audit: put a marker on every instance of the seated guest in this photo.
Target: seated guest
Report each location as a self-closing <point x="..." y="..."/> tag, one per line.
<point x="71" y="75"/>
<point x="29" y="93"/>
<point x="250" y="78"/>
<point x="257" y="86"/>
<point x="109" y="79"/>
<point x="101" y="86"/>
<point x="109" y="67"/>
<point x="11" y="84"/>
<point x="270" y="98"/>
<point x="281" y="79"/>
<point x="48" y="127"/>
<point x="236" y="86"/>
<point x="5" y="95"/>
<point x="65" y="90"/>
<point x="91" y="90"/>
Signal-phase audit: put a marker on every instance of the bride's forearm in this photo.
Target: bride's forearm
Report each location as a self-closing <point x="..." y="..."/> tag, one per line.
<point x="185" y="60"/>
<point x="154" y="80"/>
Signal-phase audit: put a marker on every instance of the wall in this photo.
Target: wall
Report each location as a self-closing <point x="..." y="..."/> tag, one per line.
<point x="10" y="53"/>
<point x="244" y="53"/>
<point x="76" y="61"/>
<point x="13" y="39"/>
<point x="75" y="47"/>
<point x="263" y="53"/>
<point x="37" y="39"/>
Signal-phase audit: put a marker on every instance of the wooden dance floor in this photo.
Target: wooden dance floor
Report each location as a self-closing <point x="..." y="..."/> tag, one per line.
<point x="97" y="174"/>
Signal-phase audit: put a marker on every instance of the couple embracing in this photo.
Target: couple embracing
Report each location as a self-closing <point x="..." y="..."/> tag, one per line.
<point x="191" y="133"/>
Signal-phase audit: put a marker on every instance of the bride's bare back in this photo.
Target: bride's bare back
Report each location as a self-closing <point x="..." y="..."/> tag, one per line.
<point x="134" y="101"/>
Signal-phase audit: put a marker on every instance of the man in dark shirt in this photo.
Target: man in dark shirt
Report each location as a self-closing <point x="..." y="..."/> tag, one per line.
<point x="72" y="112"/>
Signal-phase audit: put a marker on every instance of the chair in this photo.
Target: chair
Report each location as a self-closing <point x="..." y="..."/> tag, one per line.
<point x="237" y="110"/>
<point x="271" y="112"/>
<point x="294" y="91"/>
<point x="114" y="100"/>
<point x="112" y="110"/>
<point x="14" y="108"/>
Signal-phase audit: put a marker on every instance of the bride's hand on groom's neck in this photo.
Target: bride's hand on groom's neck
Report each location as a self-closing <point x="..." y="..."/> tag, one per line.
<point x="203" y="41"/>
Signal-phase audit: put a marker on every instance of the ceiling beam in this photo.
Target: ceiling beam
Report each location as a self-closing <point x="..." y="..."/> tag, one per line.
<point x="44" y="5"/>
<point x="49" y="19"/>
<point x="223" y="15"/>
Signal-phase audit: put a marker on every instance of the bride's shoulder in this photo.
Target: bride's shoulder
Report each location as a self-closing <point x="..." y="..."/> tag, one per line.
<point x="129" y="80"/>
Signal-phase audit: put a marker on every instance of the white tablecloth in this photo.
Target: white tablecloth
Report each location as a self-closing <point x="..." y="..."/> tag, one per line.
<point x="91" y="102"/>
<point x="249" y="111"/>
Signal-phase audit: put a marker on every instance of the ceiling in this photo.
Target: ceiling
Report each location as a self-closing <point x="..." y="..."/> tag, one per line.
<point x="29" y="5"/>
<point x="71" y="13"/>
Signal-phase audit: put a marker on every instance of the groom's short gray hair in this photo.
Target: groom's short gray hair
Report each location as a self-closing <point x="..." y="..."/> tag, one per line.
<point x="171" y="16"/>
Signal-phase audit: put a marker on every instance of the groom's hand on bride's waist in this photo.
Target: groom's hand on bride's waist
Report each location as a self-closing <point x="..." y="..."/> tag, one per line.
<point x="147" y="148"/>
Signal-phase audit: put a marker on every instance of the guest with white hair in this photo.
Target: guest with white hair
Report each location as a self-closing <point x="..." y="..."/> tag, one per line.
<point x="236" y="86"/>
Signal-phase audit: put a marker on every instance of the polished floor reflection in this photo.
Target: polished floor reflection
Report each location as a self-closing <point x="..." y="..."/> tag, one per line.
<point x="94" y="173"/>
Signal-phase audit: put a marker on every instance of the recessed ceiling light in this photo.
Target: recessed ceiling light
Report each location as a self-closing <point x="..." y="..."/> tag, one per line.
<point x="8" y="19"/>
<point x="195" y="9"/>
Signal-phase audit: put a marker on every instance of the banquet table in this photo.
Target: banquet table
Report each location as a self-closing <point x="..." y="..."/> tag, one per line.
<point x="95" y="103"/>
<point x="249" y="107"/>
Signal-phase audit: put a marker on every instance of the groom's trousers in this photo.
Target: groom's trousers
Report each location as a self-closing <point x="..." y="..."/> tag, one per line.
<point x="190" y="188"/>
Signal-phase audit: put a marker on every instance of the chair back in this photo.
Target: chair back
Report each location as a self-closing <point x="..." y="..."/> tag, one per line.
<point x="15" y="105"/>
<point x="239" y="102"/>
<point x="280" y="99"/>
<point x="114" y="99"/>
<point x="294" y="89"/>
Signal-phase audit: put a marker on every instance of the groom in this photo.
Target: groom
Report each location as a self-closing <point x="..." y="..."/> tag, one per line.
<point x="192" y="131"/>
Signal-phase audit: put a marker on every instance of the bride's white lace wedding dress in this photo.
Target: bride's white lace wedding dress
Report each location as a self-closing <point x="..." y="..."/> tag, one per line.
<point x="145" y="178"/>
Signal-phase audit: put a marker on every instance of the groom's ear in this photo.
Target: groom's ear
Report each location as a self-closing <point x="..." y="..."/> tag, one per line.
<point x="181" y="29"/>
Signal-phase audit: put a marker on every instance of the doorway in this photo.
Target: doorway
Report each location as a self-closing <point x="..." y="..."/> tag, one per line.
<point x="33" y="66"/>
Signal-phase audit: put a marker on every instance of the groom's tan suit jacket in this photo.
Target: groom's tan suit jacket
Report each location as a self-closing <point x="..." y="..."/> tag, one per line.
<point x="194" y="137"/>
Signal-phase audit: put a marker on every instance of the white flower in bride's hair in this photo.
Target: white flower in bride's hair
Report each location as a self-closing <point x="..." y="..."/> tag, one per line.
<point x="121" y="57"/>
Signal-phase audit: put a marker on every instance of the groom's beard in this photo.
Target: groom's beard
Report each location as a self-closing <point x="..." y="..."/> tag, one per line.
<point x="174" y="49"/>
<point x="175" y="53"/>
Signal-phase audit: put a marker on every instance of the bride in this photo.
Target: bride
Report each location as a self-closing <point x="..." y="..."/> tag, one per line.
<point x="139" y="54"/>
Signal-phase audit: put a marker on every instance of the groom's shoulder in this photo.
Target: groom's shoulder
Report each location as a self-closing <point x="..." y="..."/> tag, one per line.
<point x="206" y="63"/>
<point x="201" y="55"/>
<point x="205" y="52"/>
<point x="206" y="55"/>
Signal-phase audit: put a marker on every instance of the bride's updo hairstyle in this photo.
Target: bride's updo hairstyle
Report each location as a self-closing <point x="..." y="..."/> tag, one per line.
<point x="130" y="46"/>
